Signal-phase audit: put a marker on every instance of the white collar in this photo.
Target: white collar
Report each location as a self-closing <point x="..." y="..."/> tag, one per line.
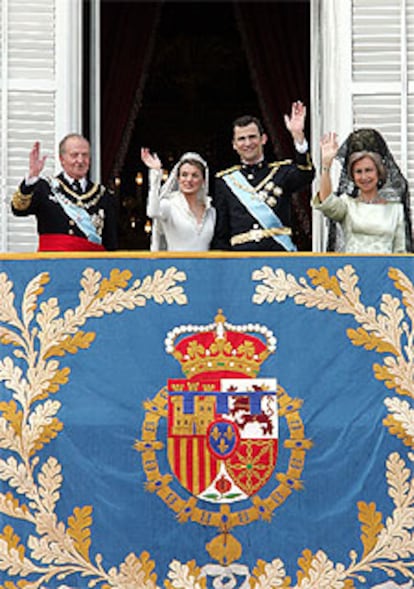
<point x="70" y="181"/>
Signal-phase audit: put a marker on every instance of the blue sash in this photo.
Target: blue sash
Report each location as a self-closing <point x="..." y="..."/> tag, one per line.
<point x="257" y="208"/>
<point x="81" y="217"/>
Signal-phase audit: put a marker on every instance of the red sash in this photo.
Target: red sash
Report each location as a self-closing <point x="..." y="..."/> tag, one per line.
<point x="57" y="242"/>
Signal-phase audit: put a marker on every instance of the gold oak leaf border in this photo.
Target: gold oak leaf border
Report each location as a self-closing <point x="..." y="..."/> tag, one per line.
<point x="387" y="545"/>
<point x="39" y="333"/>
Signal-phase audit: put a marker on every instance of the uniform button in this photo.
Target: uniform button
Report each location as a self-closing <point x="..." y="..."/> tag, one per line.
<point x="71" y="222"/>
<point x="70" y="231"/>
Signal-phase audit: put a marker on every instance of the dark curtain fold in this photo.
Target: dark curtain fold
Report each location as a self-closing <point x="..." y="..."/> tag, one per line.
<point x="276" y="40"/>
<point x="123" y="44"/>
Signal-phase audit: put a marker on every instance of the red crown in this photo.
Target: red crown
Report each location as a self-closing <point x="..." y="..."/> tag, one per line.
<point x="221" y="347"/>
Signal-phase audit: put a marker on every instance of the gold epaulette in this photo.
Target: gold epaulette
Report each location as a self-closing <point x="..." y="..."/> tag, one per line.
<point x="280" y="163"/>
<point x="307" y="166"/>
<point x="228" y="171"/>
<point x="21" y="201"/>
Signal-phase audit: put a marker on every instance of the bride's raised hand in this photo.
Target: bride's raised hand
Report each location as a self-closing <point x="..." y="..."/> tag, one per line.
<point x="151" y="160"/>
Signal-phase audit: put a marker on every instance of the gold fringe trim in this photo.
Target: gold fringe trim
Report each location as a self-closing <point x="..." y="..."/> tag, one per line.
<point x="21" y="201"/>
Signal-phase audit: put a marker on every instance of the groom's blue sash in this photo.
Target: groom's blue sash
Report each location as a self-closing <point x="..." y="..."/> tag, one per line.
<point x="267" y="218"/>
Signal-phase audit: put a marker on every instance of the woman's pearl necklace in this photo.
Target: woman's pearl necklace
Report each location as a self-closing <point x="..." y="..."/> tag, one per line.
<point x="376" y="200"/>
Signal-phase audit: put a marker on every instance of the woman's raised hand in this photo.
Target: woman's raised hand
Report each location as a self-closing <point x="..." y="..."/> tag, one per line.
<point x="329" y="148"/>
<point x="151" y="160"/>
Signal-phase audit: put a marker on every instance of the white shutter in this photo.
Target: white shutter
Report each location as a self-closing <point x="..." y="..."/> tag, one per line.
<point x="410" y="96"/>
<point x="379" y="58"/>
<point x="40" y="97"/>
<point x="368" y="65"/>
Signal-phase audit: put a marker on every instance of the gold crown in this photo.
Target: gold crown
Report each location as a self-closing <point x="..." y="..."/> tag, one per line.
<point x="221" y="347"/>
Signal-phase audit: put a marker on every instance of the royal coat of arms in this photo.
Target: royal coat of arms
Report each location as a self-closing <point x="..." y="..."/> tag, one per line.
<point x="223" y="429"/>
<point x="222" y="437"/>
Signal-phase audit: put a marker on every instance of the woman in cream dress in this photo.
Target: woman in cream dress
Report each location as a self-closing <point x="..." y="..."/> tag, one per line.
<point x="370" y="205"/>
<point x="183" y="217"/>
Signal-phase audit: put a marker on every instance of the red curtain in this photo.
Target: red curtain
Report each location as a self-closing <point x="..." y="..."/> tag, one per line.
<point x="123" y="44"/>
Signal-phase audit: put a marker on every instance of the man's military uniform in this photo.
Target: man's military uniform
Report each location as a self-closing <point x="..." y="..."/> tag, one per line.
<point x="68" y="220"/>
<point x="253" y="204"/>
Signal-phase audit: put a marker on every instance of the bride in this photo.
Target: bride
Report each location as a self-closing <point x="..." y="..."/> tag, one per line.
<point x="181" y="209"/>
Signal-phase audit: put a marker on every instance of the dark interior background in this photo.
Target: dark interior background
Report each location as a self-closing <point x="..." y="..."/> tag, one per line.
<point x="176" y="74"/>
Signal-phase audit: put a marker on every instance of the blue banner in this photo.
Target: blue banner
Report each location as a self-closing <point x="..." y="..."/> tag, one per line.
<point x="206" y="422"/>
